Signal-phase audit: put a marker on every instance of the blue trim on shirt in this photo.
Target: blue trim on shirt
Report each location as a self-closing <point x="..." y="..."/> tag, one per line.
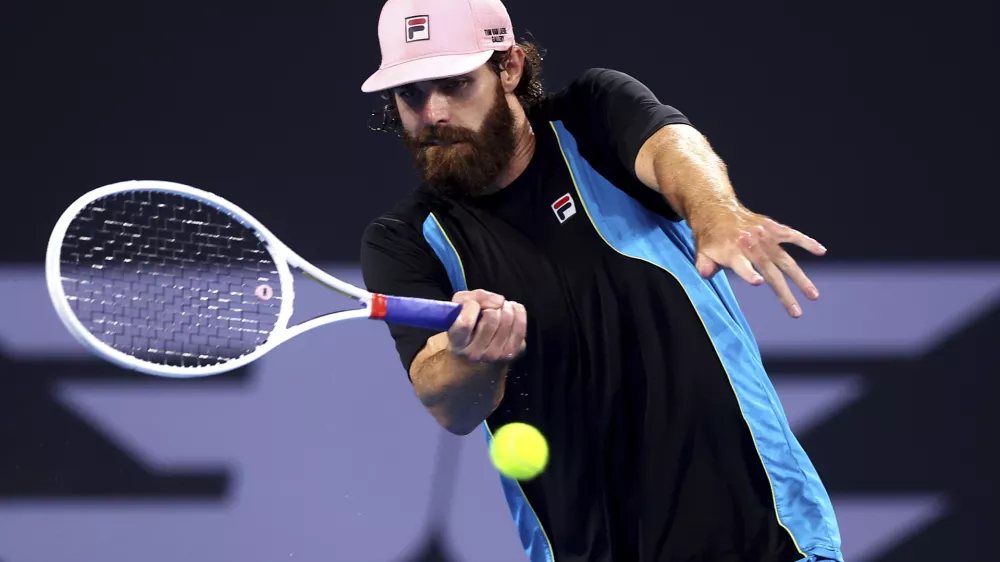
<point x="529" y="529"/>
<point x="801" y="502"/>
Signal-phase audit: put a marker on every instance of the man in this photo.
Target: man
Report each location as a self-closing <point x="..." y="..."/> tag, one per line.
<point x="590" y="309"/>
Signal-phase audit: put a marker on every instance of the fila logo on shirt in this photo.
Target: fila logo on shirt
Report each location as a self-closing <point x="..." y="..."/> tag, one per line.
<point x="564" y="208"/>
<point x="418" y="28"/>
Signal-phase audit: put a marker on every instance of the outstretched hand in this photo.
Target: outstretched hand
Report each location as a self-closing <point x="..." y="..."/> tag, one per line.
<point x="750" y="244"/>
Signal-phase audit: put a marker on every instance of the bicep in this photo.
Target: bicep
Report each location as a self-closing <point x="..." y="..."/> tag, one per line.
<point x="613" y="115"/>
<point x="679" y="139"/>
<point x="395" y="263"/>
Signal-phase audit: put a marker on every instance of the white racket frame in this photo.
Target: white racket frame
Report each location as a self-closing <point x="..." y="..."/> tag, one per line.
<point x="284" y="258"/>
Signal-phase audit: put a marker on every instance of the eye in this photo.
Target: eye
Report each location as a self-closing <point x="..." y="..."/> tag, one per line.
<point x="454" y="85"/>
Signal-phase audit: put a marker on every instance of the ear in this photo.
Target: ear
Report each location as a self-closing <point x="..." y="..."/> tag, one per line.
<point x="513" y="69"/>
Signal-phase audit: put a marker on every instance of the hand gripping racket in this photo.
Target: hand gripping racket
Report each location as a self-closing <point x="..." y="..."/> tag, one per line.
<point x="169" y="280"/>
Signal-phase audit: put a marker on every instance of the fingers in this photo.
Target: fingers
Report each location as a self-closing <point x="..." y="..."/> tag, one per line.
<point x="473" y="303"/>
<point x="758" y="254"/>
<point x="788" y="265"/>
<point x="485" y="299"/>
<point x="706" y="266"/>
<point x="461" y="331"/>
<point x="482" y="336"/>
<point x="494" y="345"/>
<point x="787" y="235"/>
<point x="751" y="247"/>
<point x="776" y="280"/>
<point x="483" y="333"/>
<point x="772" y="234"/>
<point x="744" y="268"/>
<point x="516" y="342"/>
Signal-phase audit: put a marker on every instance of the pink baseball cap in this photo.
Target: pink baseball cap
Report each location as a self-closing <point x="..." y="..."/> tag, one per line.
<point x="431" y="39"/>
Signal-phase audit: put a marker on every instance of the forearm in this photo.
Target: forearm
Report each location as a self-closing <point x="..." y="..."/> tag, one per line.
<point x="458" y="394"/>
<point x="678" y="162"/>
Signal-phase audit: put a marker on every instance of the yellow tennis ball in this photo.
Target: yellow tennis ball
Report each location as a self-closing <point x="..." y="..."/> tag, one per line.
<point x="519" y="451"/>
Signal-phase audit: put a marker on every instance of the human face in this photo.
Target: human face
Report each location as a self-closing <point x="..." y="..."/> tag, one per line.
<point x="459" y="131"/>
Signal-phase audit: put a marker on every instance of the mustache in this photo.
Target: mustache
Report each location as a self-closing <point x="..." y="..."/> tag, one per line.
<point x="437" y="134"/>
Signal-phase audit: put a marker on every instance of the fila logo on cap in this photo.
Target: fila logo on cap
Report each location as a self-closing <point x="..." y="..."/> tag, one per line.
<point x="564" y="208"/>
<point x="418" y="28"/>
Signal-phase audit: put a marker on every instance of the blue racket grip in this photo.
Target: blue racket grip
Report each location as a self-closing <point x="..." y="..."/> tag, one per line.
<point x="419" y="313"/>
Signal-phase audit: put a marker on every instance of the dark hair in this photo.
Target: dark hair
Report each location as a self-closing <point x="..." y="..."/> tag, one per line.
<point x="529" y="90"/>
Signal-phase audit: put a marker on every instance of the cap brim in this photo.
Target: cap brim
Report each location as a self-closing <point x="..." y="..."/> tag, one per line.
<point x="430" y="68"/>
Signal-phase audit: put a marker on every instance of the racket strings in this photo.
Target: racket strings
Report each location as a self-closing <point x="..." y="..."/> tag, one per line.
<point x="169" y="280"/>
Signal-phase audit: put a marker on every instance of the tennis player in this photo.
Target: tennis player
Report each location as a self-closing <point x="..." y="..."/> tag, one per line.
<point x="583" y="231"/>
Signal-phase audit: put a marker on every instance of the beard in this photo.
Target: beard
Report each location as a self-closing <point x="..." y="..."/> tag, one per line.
<point x="461" y="162"/>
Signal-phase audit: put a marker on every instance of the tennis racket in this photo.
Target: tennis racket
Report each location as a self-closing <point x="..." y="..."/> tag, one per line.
<point x="169" y="280"/>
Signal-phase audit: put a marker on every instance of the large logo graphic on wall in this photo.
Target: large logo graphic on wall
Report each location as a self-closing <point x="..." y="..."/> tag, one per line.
<point x="875" y="380"/>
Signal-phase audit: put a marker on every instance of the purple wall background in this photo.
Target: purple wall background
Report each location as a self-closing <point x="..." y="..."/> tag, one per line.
<point x="331" y="456"/>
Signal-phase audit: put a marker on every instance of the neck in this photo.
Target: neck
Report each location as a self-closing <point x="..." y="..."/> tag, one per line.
<point x="524" y="149"/>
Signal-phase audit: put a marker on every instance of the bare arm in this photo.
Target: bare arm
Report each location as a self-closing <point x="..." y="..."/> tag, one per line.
<point x="460" y="375"/>
<point x="678" y="162"/>
<point x="458" y="393"/>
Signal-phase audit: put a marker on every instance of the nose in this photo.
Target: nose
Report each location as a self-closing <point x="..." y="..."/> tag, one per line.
<point x="435" y="110"/>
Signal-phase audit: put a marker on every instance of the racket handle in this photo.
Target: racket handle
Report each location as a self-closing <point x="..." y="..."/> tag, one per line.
<point x="419" y="313"/>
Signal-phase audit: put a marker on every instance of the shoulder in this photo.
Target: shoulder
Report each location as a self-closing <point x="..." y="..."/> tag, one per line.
<point x="393" y="248"/>
<point x="591" y="81"/>
<point x="595" y="90"/>
<point x="394" y="240"/>
<point x="403" y="221"/>
<point x="598" y="78"/>
<point x="601" y="77"/>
